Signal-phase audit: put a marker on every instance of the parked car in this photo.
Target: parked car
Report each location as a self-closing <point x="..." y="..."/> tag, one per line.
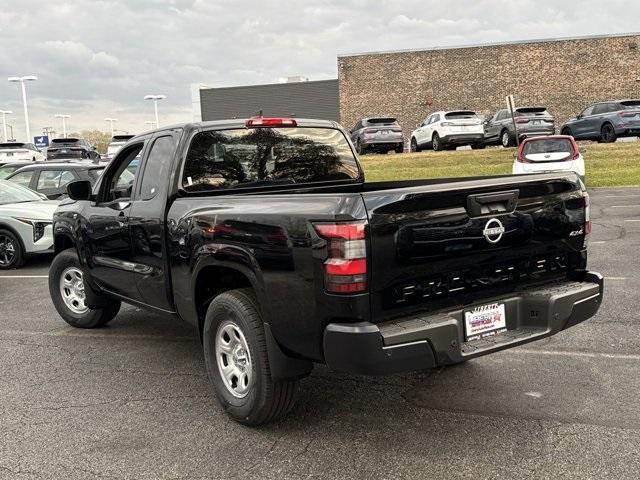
<point x="606" y="121"/>
<point x="8" y="168"/>
<point x="71" y="149"/>
<point x="380" y="134"/>
<point x="51" y="179"/>
<point x="16" y="151"/>
<point x="117" y="141"/>
<point x="549" y="154"/>
<point x="25" y="224"/>
<point x="442" y="130"/>
<point x="530" y="121"/>
<point x="369" y="278"/>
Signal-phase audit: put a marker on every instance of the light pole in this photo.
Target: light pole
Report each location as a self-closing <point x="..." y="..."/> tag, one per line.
<point x="155" y="99"/>
<point x="4" y="123"/>
<point x="64" y="125"/>
<point x="28" y="78"/>
<point x="111" y="122"/>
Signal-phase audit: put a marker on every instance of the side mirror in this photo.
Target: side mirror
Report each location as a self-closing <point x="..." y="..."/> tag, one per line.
<point x="79" y="190"/>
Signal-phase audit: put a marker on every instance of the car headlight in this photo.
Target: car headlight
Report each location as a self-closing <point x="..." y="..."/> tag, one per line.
<point x="37" y="225"/>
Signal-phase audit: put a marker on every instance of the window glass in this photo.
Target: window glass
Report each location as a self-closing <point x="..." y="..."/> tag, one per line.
<point x="267" y="156"/>
<point x="600" y="108"/>
<point x="22" y="178"/>
<point x="54" y="179"/>
<point x="587" y="111"/>
<point x="8" y="170"/>
<point x="157" y="169"/>
<point x="12" y="193"/>
<point x="119" y="183"/>
<point x="435" y="119"/>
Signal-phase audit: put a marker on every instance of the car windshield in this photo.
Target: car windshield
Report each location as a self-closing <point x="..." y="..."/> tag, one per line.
<point x="267" y="156"/>
<point x="7" y="170"/>
<point x="13" y="146"/>
<point x="13" y="193"/>
<point x="549" y="145"/>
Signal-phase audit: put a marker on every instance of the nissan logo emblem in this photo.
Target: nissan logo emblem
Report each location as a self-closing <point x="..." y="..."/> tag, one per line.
<point x="493" y="230"/>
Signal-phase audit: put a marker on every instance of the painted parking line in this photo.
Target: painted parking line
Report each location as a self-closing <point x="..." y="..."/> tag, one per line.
<point x="24" y="276"/>
<point x="619" y="196"/>
<point x="119" y="336"/>
<point x="624" y="206"/>
<point x="632" y="220"/>
<point x="598" y="242"/>
<point x="568" y="353"/>
<point x="616" y="278"/>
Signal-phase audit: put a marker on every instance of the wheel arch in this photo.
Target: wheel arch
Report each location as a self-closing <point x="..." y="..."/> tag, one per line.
<point x="6" y="226"/>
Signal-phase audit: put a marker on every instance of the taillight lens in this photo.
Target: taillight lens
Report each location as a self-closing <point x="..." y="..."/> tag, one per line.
<point x="257" y="122"/>
<point x="522" y="120"/>
<point x="346" y="265"/>
<point x="587" y="217"/>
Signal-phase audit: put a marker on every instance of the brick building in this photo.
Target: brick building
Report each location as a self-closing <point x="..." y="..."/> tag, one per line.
<point x="565" y="75"/>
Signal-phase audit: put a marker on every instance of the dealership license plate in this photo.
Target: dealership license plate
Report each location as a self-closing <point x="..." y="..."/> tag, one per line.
<point x="535" y="122"/>
<point x="484" y="321"/>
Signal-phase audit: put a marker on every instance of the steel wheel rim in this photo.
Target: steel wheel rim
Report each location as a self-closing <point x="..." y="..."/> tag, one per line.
<point x="72" y="290"/>
<point x="234" y="359"/>
<point x="7" y="250"/>
<point x="505" y="139"/>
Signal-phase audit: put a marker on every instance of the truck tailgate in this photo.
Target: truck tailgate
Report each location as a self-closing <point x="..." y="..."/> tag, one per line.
<point x="450" y="243"/>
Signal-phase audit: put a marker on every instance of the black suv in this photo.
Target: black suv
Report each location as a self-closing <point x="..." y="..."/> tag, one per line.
<point x="606" y="121"/>
<point x="71" y="149"/>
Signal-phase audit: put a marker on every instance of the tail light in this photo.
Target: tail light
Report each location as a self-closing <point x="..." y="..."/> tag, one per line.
<point x="628" y="114"/>
<point x="587" y="216"/>
<point x="345" y="268"/>
<point x="520" y="156"/>
<point x="257" y="122"/>
<point x="522" y="120"/>
<point x="396" y="129"/>
<point x="370" y="130"/>
<point x="575" y="150"/>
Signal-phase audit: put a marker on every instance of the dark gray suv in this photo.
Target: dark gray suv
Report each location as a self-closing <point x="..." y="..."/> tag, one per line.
<point x="380" y="134"/>
<point x="530" y="122"/>
<point x="606" y="121"/>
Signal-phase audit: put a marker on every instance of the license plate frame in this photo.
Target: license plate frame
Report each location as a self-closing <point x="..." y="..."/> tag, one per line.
<point x="484" y="321"/>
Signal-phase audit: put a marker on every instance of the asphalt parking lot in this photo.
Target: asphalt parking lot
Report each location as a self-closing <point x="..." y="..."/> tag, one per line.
<point x="132" y="400"/>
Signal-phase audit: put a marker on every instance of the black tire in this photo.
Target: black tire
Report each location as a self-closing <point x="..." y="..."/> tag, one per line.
<point x="436" y="144"/>
<point x="265" y="399"/>
<point x="92" y="317"/>
<point x="608" y="134"/>
<point x="399" y="149"/>
<point x="566" y="131"/>
<point x="414" y="145"/>
<point x="11" y="250"/>
<point x="359" y="148"/>
<point x="506" y="139"/>
<point x="478" y="146"/>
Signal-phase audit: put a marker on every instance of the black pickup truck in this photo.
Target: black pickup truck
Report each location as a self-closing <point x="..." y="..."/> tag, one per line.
<point x="263" y="235"/>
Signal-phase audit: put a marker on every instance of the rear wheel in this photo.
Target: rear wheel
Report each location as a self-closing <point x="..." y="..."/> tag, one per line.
<point x="360" y="149"/>
<point x="399" y="149"/>
<point x="235" y="353"/>
<point x="608" y="133"/>
<point x="436" y="143"/>
<point x="414" y="145"/>
<point x="67" y="290"/>
<point x="11" y="251"/>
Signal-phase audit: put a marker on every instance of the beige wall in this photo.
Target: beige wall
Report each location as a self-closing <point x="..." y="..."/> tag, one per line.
<point x="563" y="75"/>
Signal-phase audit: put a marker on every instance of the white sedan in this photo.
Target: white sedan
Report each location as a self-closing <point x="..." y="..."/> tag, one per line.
<point x="553" y="153"/>
<point x="25" y="224"/>
<point x="16" y="151"/>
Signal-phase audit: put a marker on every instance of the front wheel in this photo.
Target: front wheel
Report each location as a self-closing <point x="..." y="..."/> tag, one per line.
<point x="11" y="251"/>
<point x="567" y="131"/>
<point x="506" y="139"/>
<point x="414" y="145"/>
<point x="235" y="353"/>
<point x="67" y="290"/>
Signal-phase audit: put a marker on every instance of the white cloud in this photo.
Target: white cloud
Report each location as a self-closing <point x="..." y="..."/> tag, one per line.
<point x="98" y="59"/>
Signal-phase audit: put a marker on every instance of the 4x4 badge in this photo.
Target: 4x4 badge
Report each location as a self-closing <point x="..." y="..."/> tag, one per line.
<point x="493" y="230"/>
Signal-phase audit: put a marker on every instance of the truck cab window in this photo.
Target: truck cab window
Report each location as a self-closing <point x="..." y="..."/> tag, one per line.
<point x="119" y="183"/>
<point x="156" y="170"/>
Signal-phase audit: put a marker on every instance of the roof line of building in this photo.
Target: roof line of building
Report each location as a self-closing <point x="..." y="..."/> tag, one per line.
<point x="492" y="44"/>
<point x="271" y="84"/>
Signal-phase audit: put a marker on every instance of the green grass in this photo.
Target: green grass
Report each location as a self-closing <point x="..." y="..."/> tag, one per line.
<point x="606" y="164"/>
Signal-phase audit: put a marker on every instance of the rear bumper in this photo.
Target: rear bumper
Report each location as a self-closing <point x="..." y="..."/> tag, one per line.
<point x="536" y="132"/>
<point x="462" y="138"/>
<point x="437" y="339"/>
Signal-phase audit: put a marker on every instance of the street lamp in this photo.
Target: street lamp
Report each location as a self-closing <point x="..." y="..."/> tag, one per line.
<point x="4" y="123"/>
<point x="111" y="122"/>
<point x="155" y="99"/>
<point x="28" y="78"/>
<point x="64" y="125"/>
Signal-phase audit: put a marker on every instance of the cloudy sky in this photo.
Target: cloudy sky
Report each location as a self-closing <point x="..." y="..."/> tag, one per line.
<point x="98" y="58"/>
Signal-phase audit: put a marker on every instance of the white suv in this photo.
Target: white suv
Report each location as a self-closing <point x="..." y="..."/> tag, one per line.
<point x="449" y="130"/>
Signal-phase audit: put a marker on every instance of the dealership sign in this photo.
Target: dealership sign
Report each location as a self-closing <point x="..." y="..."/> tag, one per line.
<point x="41" y="142"/>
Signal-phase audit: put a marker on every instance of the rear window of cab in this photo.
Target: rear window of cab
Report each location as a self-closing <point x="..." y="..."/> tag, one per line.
<point x="245" y="158"/>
